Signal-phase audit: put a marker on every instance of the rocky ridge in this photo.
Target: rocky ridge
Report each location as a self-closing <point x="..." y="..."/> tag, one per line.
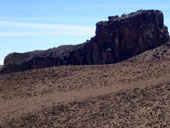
<point x="117" y="39"/>
<point x="162" y="52"/>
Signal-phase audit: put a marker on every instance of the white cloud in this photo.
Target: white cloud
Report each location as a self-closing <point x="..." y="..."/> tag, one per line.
<point x="49" y="19"/>
<point x="46" y="26"/>
<point x="46" y="29"/>
<point x="1" y="62"/>
<point x="43" y="33"/>
<point x="129" y="5"/>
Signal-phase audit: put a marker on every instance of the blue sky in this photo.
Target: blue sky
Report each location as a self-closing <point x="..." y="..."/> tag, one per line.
<point x="27" y="25"/>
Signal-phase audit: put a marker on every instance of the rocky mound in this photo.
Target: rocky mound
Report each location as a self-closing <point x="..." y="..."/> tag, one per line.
<point x="117" y="39"/>
<point x="162" y="52"/>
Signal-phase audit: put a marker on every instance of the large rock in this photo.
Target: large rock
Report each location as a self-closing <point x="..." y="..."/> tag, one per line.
<point x="117" y="39"/>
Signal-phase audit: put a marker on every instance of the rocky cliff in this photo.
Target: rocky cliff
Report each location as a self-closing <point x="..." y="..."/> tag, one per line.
<point x="117" y="39"/>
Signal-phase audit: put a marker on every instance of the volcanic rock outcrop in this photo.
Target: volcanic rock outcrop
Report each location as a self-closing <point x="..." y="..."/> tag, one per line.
<point x="117" y="39"/>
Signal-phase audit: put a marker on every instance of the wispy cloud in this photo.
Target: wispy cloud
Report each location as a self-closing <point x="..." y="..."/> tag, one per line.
<point x="1" y="62"/>
<point x="94" y="6"/>
<point x="46" y="26"/>
<point x="48" y="33"/>
<point x="130" y="5"/>
<point x="48" y="19"/>
<point x="133" y="5"/>
<point x="46" y="29"/>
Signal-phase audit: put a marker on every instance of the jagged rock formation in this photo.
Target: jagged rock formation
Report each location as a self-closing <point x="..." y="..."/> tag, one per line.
<point x="117" y="39"/>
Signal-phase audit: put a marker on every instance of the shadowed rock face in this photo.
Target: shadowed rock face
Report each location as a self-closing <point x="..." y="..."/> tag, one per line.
<point x="117" y="39"/>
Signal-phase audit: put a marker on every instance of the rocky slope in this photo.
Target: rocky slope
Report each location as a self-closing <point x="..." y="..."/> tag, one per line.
<point x="129" y="94"/>
<point x="117" y="39"/>
<point x="162" y="52"/>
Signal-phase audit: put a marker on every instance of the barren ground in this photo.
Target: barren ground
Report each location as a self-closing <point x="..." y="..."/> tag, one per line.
<point x="128" y="94"/>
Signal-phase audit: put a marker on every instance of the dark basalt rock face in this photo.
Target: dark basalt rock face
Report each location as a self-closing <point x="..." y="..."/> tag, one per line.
<point x="117" y="39"/>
